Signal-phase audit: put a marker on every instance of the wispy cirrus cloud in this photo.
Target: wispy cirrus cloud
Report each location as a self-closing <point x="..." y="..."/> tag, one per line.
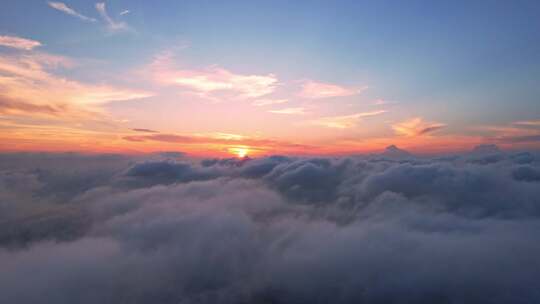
<point x="416" y="127"/>
<point x="384" y="102"/>
<point x="290" y="111"/>
<point x="212" y="82"/>
<point x="144" y="130"/>
<point x="520" y="139"/>
<point x="344" y="121"/>
<point x="10" y="106"/>
<point x="315" y="90"/>
<point x="514" y="133"/>
<point x="19" y="43"/>
<point x="68" y="10"/>
<point x="124" y="12"/>
<point x="219" y="141"/>
<point x="528" y="123"/>
<point x="112" y="25"/>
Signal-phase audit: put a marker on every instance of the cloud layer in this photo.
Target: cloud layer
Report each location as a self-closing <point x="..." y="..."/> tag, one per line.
<point x="169" y="229"/>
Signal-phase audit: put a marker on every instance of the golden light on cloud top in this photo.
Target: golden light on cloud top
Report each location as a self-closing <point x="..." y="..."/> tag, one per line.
<point x="416" y="127"/>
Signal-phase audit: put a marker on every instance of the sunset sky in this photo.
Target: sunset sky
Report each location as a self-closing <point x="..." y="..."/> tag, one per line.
<point x="269" y="77"/>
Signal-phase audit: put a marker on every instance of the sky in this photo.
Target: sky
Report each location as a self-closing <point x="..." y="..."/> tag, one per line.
<point x="169" y="229"/>
<point x="217" y="78"/>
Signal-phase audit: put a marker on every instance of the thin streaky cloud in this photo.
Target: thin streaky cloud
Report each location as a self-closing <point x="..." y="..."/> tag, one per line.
<point x="289" y="111"/>
<point x="344" y="121"/>
<point x="144" y="130"/>
<point x="124" y="12"/>
<point x="520" y="139"/>
<point x="19" y="43"/>
<point x="66" y="9"/>
<point x="528" y="123"/>
<point x="383" y="102"/>
<point x="9" y="106"/>
<point x="254" y="143"/>
<point x="315" y="90"/>
<point x="112" y="25"/>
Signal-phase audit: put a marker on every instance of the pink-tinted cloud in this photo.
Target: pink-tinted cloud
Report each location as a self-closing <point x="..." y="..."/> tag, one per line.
<point x="314" y="89"/>
<point x="416" y="127"/>
<point x="29" y="79"/>
<point x="344" y="121"/>
<point x="10" y="106"/>
<point x="211" y="81"/>
<point x="19" y="43"/>
<point x="290" y="111"/>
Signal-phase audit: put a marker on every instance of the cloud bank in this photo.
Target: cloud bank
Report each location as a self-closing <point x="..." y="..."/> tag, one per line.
<point x="165" y="228"/>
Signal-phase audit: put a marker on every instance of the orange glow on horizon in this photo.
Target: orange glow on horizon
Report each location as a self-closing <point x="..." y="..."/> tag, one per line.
<point x="72" y="139"/>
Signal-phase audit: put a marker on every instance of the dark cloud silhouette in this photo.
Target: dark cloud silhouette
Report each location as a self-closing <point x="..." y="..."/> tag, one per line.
<point x="8" y="105"/>
<point x="172" y="154"/>
<point x="520" y="139"/>
<point x="144" y="130"/>
<point x="119" y="229"/>
<point x="430" y="129"/>
<point x="253" y="143"/>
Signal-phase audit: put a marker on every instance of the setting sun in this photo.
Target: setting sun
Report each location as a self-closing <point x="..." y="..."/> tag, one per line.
<point x="240" y="152"/>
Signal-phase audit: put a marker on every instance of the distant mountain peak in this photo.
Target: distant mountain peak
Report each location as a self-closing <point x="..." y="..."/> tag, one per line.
<point x="392" y="148"/>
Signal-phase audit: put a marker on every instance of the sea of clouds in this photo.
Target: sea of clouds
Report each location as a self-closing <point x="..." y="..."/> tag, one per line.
<point x="167" y="228"/>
